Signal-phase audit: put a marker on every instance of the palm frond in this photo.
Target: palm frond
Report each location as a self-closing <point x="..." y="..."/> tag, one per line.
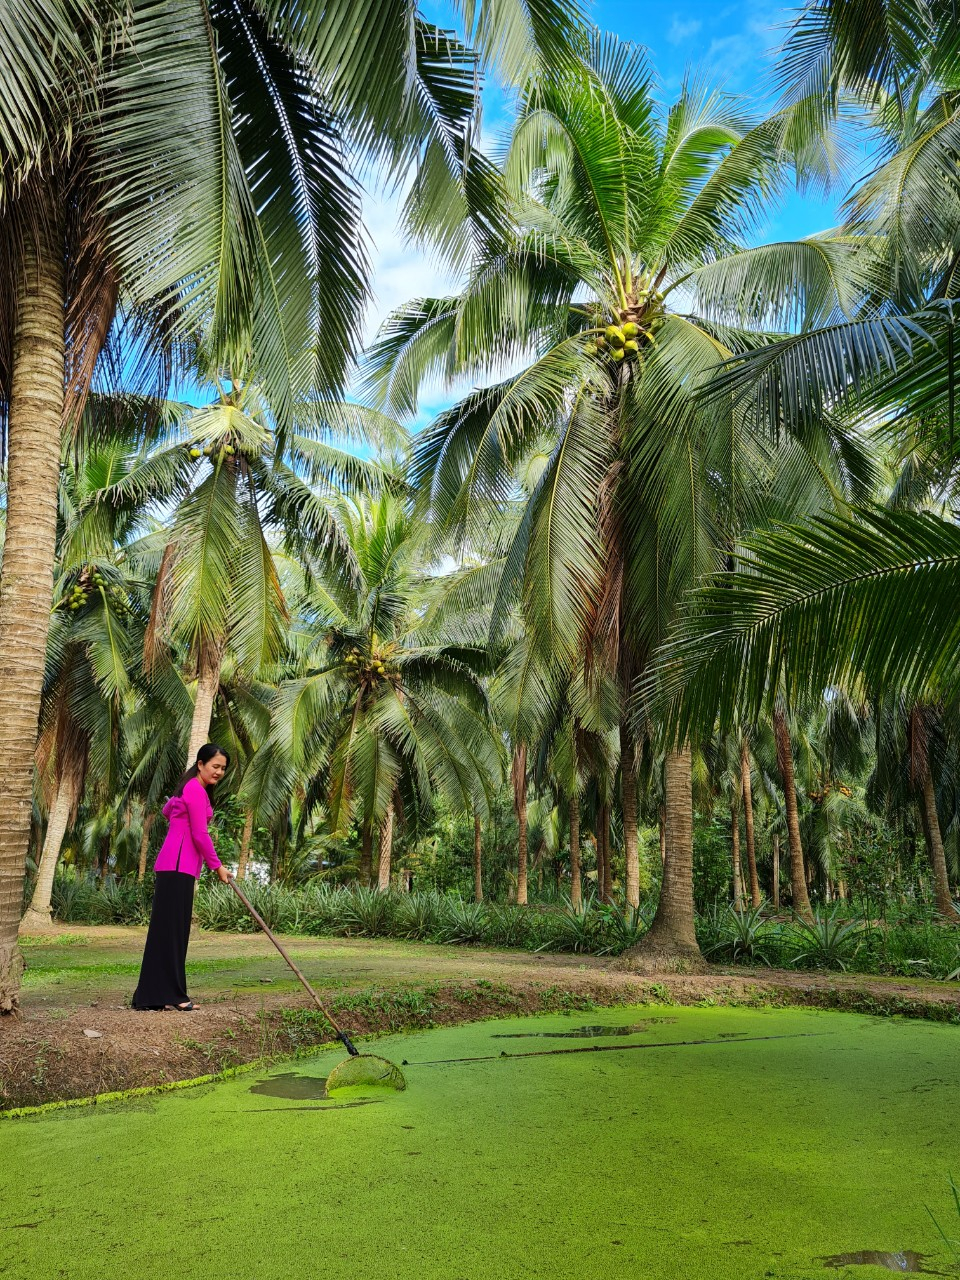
<point x="820" y="605"/>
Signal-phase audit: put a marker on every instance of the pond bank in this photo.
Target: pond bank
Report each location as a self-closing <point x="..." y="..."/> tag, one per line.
<point x="76" y="1037"/>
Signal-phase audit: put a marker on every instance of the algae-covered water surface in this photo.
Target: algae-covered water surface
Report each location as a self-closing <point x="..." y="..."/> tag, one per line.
<point x="739" y="1143"/>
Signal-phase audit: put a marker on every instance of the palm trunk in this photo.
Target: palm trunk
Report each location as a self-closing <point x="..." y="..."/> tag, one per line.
<point x="245" y="842"/>
<point x="385" y="850"/>
<point x="662" y="833"/>
<point x="26" y="579"/>
<point x="38" y="915"/>
<point x="477" y="859"/>
<point x="671" y="941"/>
<point x="607" y="853"/>
<point x="775" y="895"/>
<point x="628" y="784"/>
<point x="735" y="855"/>
<point x="148" y="821"/>
<point x="366" y="853"/>
<point x="208" y="682"/>
<point x="576" y="892"/>
<point x="934" y="840"/>
<point x="799" y="899"/>
<point x="519" y="773"/>
<point x="746" y="779"/>
<point x="279" y="836"/>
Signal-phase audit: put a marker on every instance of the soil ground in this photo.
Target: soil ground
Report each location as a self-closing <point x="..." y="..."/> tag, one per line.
<point x="76" y="1036"/>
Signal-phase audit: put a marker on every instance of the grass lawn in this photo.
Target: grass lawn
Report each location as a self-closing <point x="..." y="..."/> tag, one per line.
<point x="745" y="1157"/>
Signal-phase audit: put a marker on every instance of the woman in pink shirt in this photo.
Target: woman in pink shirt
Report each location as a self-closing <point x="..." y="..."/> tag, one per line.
<point x="163" y="977"/>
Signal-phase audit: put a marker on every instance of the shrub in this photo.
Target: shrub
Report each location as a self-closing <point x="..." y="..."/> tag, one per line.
<point x="736" y="936"/>
<point x="461" y="922"/>
<point x="418" y="915"/>
<point x="620" y="928"/>
<point x="577" y="929"/>
<point x="368" y="913"/>
<point x="909" y="946"/>
<point x="827" y="942"/>
<point x="507" y="926"/>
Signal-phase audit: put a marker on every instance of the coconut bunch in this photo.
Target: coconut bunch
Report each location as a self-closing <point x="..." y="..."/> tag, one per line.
<point x="90" y="578"/>
<point x="75" y="598"/>
<point x="622" y="337"/>
<point x="617" y="342"/>
<point x="373" y="667"/>
<point x="224" y="448"/>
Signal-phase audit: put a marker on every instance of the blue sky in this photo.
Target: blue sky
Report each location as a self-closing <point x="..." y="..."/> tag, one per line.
<point x="729" y="44"/>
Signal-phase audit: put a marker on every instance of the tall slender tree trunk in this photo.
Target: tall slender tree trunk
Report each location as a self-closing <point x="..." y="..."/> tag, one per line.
<point x="607" y="853"/>
<point x="775" y="887"/>
<point x="671" y="941"/>
<point x="576" y="891"/>
<point x="246" y="839"/>
<point x="366" y="852"/>
<point x="735" y="855"/>
<point x="631" y="844"/>
<point x="922" y="778"/>
<point x="519" y="776"/>
<point x="601" y="843"/>
<point x="148" y="821"/>
<point x="38" y="915"/>
<point x="477" y="859"/>
<point x="26" y="580"/>
<point x="746" y="781"/>
<point x="662" y="833"/>
<point x="278" y="838"/>
<point x="385" y="850"/>
<point x="934" y="840"/>
<point x="799" y="898"/>
<point x="208" y="682"/>
<point x="538" y="864"/>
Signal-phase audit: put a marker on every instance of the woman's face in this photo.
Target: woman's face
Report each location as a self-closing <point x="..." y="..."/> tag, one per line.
<point x="214" y="769"/>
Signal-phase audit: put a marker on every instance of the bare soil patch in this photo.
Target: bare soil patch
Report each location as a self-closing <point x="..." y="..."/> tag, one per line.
<point x="76" y="1036"/>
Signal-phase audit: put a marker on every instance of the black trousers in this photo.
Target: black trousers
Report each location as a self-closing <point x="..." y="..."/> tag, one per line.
<point x="163" y="974"/>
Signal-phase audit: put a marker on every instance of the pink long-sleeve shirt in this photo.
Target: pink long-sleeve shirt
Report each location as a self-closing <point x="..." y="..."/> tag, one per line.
<point x="188" y="845"/>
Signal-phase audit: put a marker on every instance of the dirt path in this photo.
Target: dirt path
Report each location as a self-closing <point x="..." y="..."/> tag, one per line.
<point x="76" y="1035"/>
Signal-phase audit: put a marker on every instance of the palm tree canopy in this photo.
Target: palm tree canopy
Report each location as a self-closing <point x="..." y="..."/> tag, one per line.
<point x="866" y="604"/>
<point x="624" y="214"/>
<point x="383" y="695"/>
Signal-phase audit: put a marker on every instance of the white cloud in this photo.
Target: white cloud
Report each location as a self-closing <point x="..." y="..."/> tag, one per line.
<point x="400" y="271"/>
<point x="682" y="30"/>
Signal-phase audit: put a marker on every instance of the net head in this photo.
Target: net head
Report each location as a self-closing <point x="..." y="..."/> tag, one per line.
<point x="366" y="1069"/>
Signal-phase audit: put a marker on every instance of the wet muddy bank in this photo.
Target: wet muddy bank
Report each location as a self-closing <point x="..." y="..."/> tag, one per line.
<point x="74" y="1051"/>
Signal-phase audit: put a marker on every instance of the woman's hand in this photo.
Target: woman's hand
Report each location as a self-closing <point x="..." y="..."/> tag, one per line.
<point x="224" y="875"/>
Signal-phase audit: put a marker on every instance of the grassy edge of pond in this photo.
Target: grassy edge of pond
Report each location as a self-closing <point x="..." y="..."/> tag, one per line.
<point x="51" y="1059"/>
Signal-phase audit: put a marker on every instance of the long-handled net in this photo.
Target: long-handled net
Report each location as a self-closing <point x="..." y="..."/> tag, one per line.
<point x="359" y="1068"/>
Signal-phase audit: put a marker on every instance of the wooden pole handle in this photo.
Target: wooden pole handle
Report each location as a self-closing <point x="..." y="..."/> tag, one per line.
<point x="347" y="1042"/>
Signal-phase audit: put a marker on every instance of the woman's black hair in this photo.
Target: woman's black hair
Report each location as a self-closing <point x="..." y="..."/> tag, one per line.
<point x="204" y="756"/>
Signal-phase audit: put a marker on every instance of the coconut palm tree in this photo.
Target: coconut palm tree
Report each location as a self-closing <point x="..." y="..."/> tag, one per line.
<point x="96" y="629"/>
<point x="624" y="284"/>
<point x="873" y="594"/>
<point x="131" y="176"/>
<point x="390" y="698"/>
<point x="189" y="156"/>
<point x="253" y="477"/>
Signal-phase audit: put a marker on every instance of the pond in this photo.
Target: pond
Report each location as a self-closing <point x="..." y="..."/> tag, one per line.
<point x="703" y="1142"/>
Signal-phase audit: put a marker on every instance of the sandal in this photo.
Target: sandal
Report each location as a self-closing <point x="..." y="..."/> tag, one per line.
<point x="187" y="1007"/>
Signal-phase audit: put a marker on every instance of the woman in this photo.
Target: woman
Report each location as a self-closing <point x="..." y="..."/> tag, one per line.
<point x="163" y="977"/>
